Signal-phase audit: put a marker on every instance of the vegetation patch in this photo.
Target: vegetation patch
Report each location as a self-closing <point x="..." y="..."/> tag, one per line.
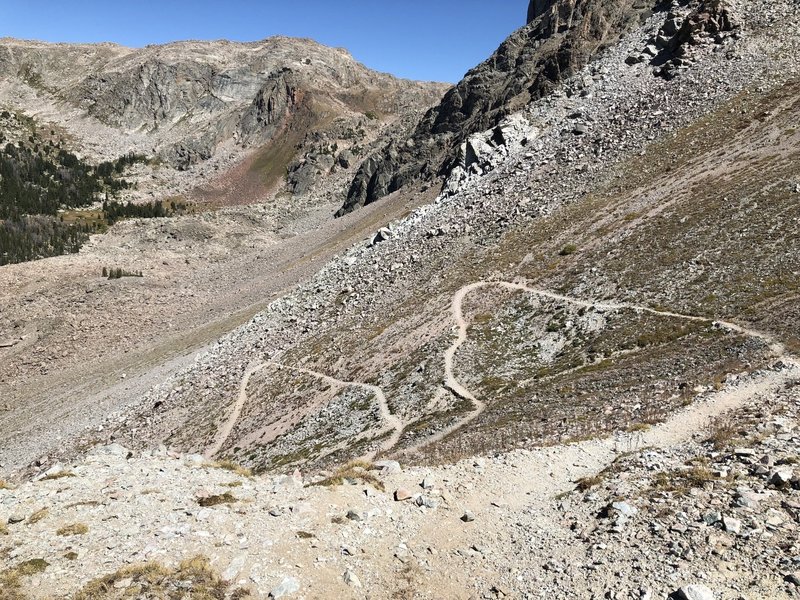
<point x="724" y="434"/>
<point x="681" y="481"/>
<point x="73" y="529"/>
<point x="357" y="471"/>
<point x="118" y="273"/>
<point x="39" y="515"/>
<point x="233" y="467"/>
<point x="226" y="498"/>
<point x="10" y="579"/>
<point x="193" y="578"/>
<point x="60" y="475"/>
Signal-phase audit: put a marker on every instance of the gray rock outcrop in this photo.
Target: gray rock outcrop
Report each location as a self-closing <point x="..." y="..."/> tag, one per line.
<point x="561" y="36"/>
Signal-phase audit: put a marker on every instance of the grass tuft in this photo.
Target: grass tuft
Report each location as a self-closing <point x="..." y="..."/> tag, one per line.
<point x="226" y="498"/>
<point x="73" y="529"/>
<point x="229" y="465"/>
<point x="357" y="470"/>
<point x="584" y="484"/>
<point x="193" y="578"/>
<point x="681" y="481"/>
<point x="724" y="434"/>
<point x="38" y="516"/>
<point x="60" y="475"/>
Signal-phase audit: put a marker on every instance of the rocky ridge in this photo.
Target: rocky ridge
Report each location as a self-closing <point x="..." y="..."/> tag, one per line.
<point x="560" y="38"/>
<point x="202" y="105"/>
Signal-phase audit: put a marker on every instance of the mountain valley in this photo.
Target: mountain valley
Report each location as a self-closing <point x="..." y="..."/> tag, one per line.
<point x="546" y="347"/>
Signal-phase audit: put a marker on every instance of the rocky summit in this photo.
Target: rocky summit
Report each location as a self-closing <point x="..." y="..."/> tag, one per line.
<point x="318" y="332"/>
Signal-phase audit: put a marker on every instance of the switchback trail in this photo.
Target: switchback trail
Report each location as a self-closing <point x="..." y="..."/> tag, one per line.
<point x="451" y="382"/>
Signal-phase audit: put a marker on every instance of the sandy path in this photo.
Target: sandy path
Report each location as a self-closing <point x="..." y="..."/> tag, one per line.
<point x="452" y="384"/>
<point x="393" y="422"/>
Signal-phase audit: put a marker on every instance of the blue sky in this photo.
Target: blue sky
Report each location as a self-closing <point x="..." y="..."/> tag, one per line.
<point x="433" y="40"/>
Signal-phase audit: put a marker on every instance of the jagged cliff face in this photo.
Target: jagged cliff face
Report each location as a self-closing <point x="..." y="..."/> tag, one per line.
<point x="561" y="36"/>
<point x="185" y="99"/>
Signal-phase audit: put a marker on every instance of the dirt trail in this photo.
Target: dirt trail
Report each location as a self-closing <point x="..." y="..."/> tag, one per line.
<point x="393" y="423"/>
<point x="452" y="384"/>
<point x="241" y="399"/>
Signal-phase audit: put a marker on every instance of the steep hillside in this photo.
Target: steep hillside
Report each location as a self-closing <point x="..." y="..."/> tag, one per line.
<point x="561" y="36"/>
<point x="592" y="287"/>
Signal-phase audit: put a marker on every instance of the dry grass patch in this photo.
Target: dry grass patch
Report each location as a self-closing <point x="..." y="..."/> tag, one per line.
<point x="11" y="587"/>
<point x="681" y="481"/>
<point x="226" y="498"/>
<point x="584" y="484"/>
<point x="357" y="470"/>
<point x="193" y="578"/>
<point x="73" y="529"/>
<point x="31" y="567"/>
<point x="38" y="516"/>
<point x="10" y="580"/>
<point x="724" y="434"/>
<point x="229" y="465"/>
<point x="4" y="485"/>
<point x="639" y="428"/>
<point x="83" y="503"/>
<point x="3" y="529"/>
<point x="60" y="475"/>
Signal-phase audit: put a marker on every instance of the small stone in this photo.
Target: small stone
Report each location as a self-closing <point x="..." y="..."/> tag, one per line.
<point x="353" y="515"/>
<point x="123" y="584"/>
<point x="744" y="452"/>
<point x="712" y="518"/>
<point x="428" y="483"/>
<point x="775" y="518"/>
<point x="650" y="50"/>
<point x="732" y="525"/>
<point x="14" y="519"/>
<point x="468" y="517"/>
<point x="389" y="467"/>
<point x="288" y="586"/>
<point x="55" y="470"/>
<point x="234" y="568"/>
<point x="781" y="477"/>
<point x="580" y="129"/>
<point x="352" y="579"/>
<point x="275" y="512"/>
<point x="427" y="502"/>
<point x="402" y="494"/>
<point x="694" y="592"/>
<point x="384" y="234"/>
<point x="624" y="509"/>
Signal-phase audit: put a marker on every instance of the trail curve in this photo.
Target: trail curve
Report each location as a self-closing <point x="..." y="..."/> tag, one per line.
<point x="451" y="382"/>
